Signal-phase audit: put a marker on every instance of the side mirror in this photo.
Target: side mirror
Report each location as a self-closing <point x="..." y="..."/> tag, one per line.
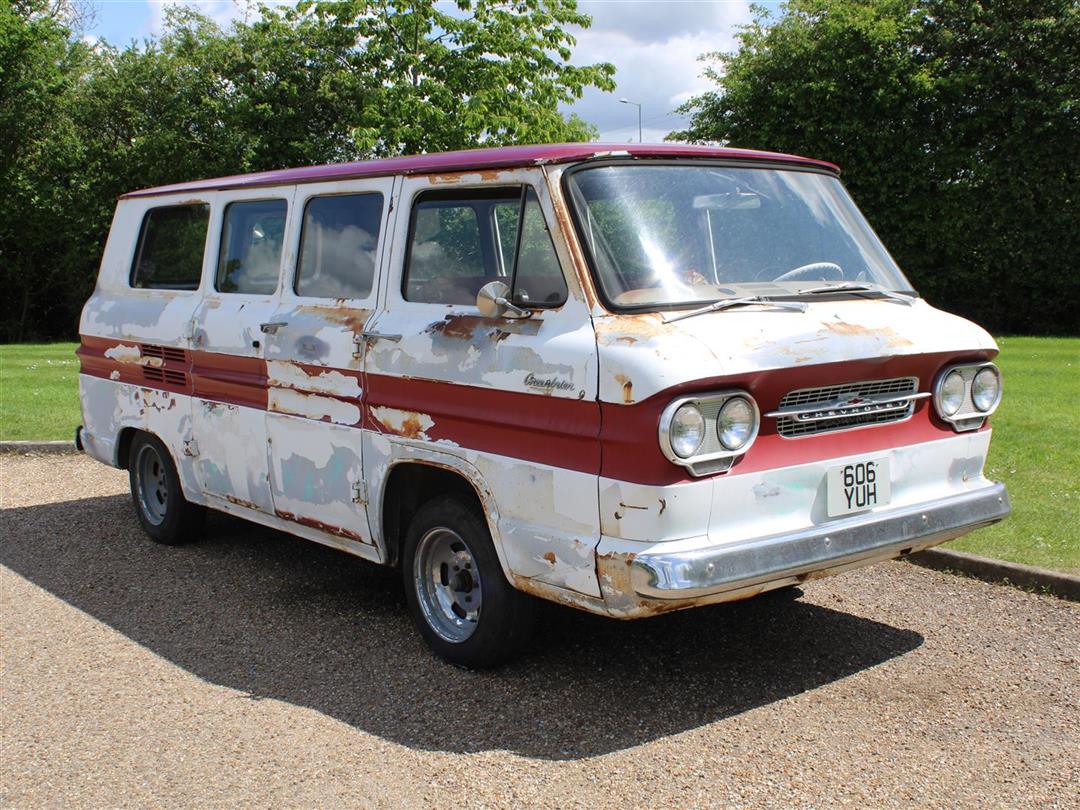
<point x="493" y="302"/>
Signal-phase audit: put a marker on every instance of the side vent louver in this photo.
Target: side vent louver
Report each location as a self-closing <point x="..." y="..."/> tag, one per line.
<point x="170" y="356"/>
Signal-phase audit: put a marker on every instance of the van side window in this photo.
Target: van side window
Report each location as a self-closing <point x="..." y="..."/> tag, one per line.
<point x="462" y="239"/>
<point x="251" y="239"/>
<point x="337" y="246"/>
<point x="169" y="253"/>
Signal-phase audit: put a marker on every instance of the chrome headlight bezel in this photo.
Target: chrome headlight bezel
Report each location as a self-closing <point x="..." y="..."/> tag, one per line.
<point x="711" y="456"/>
<point x="968" y="416"/>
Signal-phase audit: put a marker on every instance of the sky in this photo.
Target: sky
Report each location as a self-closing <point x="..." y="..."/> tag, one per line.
<point x="654" y="45"/>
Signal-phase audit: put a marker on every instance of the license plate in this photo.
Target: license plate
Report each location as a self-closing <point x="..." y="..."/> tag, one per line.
<point x="858" y="486"/>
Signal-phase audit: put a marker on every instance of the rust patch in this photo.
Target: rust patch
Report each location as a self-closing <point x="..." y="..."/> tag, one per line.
<point x="857" y="330"/>
<point x="352" y="319"/>
<point x="663" y="506"/>
<point x="407" y="424"/>
<point x="562" y="596"/>
<point x="311" y="523"/>
<point x="465" y="327"/>
<point x="486" y="175"/>
<point x="627" y="387"/>
<point x="240" y="502"/>
<point x="628" y="329"/>
<point x="411" y="427"/>
<point x="550" y="556"/>
<point x="631" y="506"/>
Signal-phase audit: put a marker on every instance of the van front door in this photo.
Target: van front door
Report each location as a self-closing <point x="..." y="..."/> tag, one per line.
<point x="315" y="358"/>
<point x="516" y="399"/>
<point x="228" y="331"/>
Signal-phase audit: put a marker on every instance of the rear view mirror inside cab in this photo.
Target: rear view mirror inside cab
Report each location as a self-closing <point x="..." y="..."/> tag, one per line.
<point x="731" y="201"/>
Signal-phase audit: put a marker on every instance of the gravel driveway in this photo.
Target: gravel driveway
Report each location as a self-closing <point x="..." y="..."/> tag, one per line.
<point x="256" y="669"/>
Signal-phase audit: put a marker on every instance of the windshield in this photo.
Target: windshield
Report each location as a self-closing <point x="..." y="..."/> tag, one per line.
<point x="670" y="235"/>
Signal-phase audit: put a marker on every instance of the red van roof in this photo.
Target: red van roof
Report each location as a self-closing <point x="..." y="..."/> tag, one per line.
<point x="504" y="157"/>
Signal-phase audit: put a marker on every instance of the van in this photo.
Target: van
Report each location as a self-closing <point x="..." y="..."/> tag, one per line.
<point x="628" y="379"/>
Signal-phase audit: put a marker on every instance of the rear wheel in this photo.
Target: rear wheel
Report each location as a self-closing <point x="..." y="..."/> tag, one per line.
<point x="461" y="602"/>
<point x="166" y="516"/>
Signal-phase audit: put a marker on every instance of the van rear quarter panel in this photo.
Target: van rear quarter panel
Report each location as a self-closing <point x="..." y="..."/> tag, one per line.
<point x="121" y="384"/>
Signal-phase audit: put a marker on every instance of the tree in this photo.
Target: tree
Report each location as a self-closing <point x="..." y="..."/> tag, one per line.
<point x="956" y="124"/>
<point x="421" y="78"/>
<point x="39" y="147"/>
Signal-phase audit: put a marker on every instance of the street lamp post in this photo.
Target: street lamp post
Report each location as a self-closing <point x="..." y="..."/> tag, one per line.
<point x="636" y="104"/>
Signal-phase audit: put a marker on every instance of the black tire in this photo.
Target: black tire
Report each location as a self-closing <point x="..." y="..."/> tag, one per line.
<point x="166" y="515"/>
<point x="505" y="616"/>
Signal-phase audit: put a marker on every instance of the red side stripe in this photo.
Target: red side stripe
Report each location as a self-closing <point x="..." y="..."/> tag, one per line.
<point x="562" y="432"/>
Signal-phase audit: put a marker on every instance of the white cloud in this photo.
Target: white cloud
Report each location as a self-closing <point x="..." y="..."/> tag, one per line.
<point x="223" y="12"/>
<point x="655" y="48"/>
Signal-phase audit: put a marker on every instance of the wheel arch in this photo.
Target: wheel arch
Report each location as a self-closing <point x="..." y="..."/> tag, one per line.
<point x="410" y="482"/>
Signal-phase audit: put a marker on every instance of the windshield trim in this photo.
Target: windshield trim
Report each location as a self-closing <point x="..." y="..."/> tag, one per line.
<point x="740" y="163"/>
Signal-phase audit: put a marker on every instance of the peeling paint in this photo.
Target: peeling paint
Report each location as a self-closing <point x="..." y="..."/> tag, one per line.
<point x="887" y="334"/>
<point x="313" y="406"/>
<point x="289" y="375"/>
<point x="409" y="424"/>
<point x="132" y="355"/>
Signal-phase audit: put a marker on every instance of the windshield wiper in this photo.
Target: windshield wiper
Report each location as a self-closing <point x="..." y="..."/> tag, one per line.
<point x="855" y="287"/>
<point x="731" y="303"/>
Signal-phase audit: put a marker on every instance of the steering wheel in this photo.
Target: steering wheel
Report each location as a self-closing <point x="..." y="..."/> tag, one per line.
<point x="823" y="271"/>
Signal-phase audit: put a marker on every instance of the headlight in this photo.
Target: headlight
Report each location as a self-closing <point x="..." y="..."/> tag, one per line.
<point x="687" y="431"/>
<point x="967" y="393"/>
<point x="986" y="388"/>
<point x="951" y="393"/>
<point x="707" y="433"/>
<point x="735" y="423"/>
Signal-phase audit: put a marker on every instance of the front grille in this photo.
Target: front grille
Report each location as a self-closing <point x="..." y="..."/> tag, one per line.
<point x="833" y="399"/>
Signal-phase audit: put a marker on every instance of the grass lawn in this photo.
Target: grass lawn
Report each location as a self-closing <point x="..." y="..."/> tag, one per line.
<point x="39" y="391"/>
<point x="1036" y="452"/>
<point x="1036" y="447"/>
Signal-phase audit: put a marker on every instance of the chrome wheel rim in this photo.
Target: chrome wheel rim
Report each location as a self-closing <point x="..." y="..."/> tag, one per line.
<point x="447" y="584"/>
<point x="152" y="486"/>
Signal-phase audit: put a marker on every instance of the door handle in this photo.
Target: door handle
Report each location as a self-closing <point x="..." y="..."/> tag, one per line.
<point x="379" y="336"/>
<point x="272" y="327"/>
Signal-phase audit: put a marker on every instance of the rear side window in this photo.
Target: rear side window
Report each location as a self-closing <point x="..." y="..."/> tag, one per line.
<point x="337" y="246"/>
<point x="460" y="241"/>
<point x="169" y="254"/>
<point x="251" y="239"/>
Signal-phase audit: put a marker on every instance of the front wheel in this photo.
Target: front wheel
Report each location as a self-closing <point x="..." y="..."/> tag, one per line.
<point x="459" y="598"/>
<point x="166" y="516"/>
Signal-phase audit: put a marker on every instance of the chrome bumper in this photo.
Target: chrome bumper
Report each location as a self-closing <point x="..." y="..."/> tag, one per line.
<point x="838" y="543"/>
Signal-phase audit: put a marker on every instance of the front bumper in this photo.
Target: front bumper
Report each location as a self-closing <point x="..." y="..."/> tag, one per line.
<point x="658" y="579"/>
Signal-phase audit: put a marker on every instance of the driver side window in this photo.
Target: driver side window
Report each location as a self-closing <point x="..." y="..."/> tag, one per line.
<point x="460" y="240"/>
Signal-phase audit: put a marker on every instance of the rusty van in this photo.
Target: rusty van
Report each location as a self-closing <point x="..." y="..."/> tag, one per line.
<point x="630" y="379"/>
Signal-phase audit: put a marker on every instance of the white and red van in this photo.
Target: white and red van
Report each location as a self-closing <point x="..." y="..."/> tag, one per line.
<point x="628" y="379"/>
